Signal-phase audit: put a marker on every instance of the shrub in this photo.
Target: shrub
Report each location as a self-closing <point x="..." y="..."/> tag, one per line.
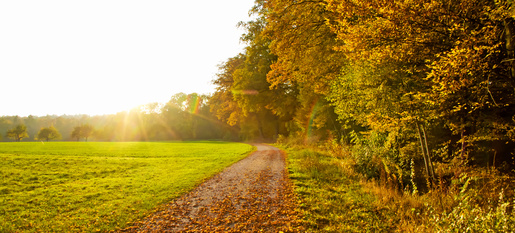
<point x="469" y="217"/>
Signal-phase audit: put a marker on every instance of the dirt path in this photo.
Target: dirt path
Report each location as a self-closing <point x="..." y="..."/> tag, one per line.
<point x="252" y="195"/>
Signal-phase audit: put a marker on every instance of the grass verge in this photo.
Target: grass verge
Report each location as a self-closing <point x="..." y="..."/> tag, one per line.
<point x="332" y="200"/>
<point x="100" y="186"/>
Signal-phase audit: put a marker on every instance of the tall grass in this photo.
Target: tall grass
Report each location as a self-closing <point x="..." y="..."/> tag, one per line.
<point x="78" y="186"/>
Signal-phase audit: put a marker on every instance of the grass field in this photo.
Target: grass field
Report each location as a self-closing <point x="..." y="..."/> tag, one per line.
<point x="100" y="186"/>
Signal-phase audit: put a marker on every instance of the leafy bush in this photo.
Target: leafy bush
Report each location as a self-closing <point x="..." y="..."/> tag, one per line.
<point x="469" y="217"/>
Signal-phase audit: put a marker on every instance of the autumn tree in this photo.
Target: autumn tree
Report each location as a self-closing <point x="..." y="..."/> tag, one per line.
<point x="243" y="95"/>
<point x="224" y="106"/>
<point x="473" y="83"/>
<point x="261" y="111"/>
<point x="76" y="133"/>
<point x="49" y="133"/>
<point x="82" y="131"/>
<point x="284" y="71"/>
<point x="388" y="46"/>
<point x="430" y="73"/>
<point x="301" y="37"/>
<point x="86" y="131"/>
<point x="251" y="90"/>
<point x="18" y="133"/>
<point x="303" y="41"/>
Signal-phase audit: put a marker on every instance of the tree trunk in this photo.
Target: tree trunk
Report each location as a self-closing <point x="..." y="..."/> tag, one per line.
<point x="463" y="144"/>
<point x="431" y="169"/>
<point x="277" y="127"/>
<point x="509" y="31"/>
<point x="260" y="127"/>
<point x="426" y="162"/>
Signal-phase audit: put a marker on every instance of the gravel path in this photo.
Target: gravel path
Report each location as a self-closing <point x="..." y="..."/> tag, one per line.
<point x="252" y="195"/>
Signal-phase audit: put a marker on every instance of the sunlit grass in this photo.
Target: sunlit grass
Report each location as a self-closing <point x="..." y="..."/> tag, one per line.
<point x="335" y="198"/>
<point x="330" y="199"/>
<point x="68" y="186"/>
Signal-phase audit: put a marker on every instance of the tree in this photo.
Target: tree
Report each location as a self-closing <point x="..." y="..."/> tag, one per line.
<point x="301" y="37"/>
<point x="243" y="83"/>
<point x="49" y="133"/>
<point x="223" y="105"/>
<point x="82" y="131"/>
<point x="435" y="75"/>
<point x="86" y="131"/>
<point x="176" y="119"/>
<point x="76" y="133"/>
<point x="18" y="133"/>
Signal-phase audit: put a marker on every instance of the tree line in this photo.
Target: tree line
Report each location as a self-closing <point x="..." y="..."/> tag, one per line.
<point x="429" y="83"/>
<point x="184" y="117"/>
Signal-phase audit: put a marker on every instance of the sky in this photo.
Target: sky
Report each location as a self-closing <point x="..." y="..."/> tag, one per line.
<point x="106" y="56"/>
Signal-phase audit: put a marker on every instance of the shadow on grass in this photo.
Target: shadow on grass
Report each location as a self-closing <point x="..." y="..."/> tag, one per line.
<point x="330" y="201"/>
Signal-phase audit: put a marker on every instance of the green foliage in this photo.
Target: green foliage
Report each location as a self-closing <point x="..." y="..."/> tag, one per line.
<point x="184" y="117"/>
<point x="467" y="217"/>
<point x="49" y="133"/>
<point x="77" y="187"/>
<point x="367" y="152"/>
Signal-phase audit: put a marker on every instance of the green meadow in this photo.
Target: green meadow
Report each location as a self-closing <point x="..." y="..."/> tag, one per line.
<point x="100" y="186"/>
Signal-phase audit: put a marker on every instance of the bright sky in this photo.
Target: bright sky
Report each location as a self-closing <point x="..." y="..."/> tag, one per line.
<point x="106" y="56"/>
